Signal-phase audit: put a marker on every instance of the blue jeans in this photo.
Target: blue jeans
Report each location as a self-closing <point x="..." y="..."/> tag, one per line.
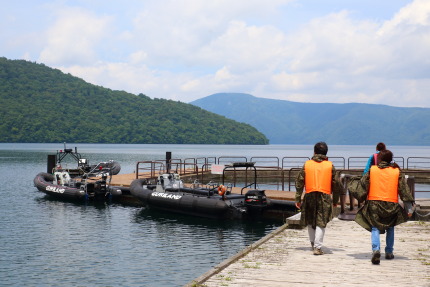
<point x="376" y="243"/>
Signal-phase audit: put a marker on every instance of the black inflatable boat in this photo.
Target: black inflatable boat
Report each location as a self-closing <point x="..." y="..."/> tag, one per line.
<point x="213" y="201"/>
<point x="82" y="183"/>
<point x="60" y="185"/>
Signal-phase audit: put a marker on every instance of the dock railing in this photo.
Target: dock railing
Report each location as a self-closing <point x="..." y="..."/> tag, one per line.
<point x="149" y="169"/>
<point x="204" y="162"/>
<point x="273" y="171"/>
<point x="231" y="159"/>
<point x="419" y="163"/>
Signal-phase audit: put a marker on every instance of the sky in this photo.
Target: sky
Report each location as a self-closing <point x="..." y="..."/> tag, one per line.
<point x="331" y="51"/>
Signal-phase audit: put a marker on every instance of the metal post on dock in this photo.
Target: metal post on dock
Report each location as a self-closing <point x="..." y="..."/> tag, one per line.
<point x="52" y="161"/>
<point x="168" y="161"/>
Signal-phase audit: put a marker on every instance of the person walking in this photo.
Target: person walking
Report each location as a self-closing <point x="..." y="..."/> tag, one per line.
<point x="317" y="177"/>
<point x="382" y="211"/>
<point x="373" y="159"/>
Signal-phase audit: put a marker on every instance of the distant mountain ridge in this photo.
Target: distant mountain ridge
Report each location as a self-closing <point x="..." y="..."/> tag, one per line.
<point x="286" y="122"/>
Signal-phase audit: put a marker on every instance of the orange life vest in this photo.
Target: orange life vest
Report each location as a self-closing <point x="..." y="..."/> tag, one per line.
<point x="318" y="176"/>
<point x="384" y="184"/>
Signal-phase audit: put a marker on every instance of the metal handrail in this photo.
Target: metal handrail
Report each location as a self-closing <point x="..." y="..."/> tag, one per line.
<point x="152" y="168"/>
<point x="398" y="159"/>
<point x="243" y="158"/>
<point x="334" y="160"/>
<point x="274" y="158"/>
<point x="414" y="158"/>
<point x="294" y="159"/>
<point x="275" y="169"/>
<point x="283" y="173"/>
<point x="245" y="168"/>
<point x="184" y="168"/>
<point x="363" y="161"/>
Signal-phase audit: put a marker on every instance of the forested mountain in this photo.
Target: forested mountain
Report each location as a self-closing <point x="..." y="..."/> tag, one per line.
<point x="41" y="104"/>
<point x="286" y="122"/>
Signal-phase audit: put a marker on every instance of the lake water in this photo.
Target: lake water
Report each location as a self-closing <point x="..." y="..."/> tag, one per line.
<point x="44" y="242"/>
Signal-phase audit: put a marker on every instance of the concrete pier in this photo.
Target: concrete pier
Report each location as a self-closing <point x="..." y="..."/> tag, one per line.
<point x="284" y="258"/>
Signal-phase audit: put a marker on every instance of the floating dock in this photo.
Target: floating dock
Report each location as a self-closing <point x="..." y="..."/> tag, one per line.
<point x="284" y="258"/>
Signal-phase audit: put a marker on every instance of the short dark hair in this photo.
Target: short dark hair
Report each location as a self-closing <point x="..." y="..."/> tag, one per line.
<point x="320" y="148"/>
<point x="385" y="155"/>
<point x="380" y="146"/>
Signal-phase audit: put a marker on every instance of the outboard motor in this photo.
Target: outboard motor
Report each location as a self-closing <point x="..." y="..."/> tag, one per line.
<point x="255" y="200"/>
<point x="100" y="187"/>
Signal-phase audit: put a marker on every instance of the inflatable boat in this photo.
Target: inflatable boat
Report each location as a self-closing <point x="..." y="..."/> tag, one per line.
<point x="82" y="183"/>
<point x="61" y="185"/>
<point x="213" y="201"/>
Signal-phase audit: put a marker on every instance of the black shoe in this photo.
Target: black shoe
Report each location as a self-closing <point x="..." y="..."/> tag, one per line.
<point x="389" y="256"/>
<point x="376" y="257"/>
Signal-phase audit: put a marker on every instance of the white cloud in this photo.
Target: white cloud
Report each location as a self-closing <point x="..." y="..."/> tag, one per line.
<point x="74" y="38"/>
<point x="245" y="48"/>
<point x="188" y="49"/>
<point x="332" y="58"/>
<point x="412" y="16"/>
<point x="407" y="41"/>
<point x="336" y="59"/>
<point x="138" y="57"/>
<point x="114" y="75"/>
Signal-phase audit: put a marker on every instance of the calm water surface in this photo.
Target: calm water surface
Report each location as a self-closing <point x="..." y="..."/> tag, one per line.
<point x="44" y="242"/>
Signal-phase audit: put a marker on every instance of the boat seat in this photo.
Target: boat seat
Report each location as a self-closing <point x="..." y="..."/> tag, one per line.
<point x="151" y="186"/>
<point x="62" y="178"/>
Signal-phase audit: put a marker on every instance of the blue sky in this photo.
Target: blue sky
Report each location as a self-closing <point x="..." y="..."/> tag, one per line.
<point x="336" y="51"/>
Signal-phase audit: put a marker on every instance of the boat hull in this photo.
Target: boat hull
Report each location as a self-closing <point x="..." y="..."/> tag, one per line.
<point x="44" y="183"/>
<point x="191" y="202"/>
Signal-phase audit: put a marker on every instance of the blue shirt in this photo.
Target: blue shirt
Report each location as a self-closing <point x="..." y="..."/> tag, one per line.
<point x="369" y="163"/>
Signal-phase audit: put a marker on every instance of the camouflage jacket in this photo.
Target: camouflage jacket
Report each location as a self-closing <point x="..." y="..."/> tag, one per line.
<point x="384" y="214"/>
<point x="317" y="207"/>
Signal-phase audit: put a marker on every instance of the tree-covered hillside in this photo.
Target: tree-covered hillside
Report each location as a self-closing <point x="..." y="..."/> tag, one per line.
<point x="286" y="122"/>
<point x="41" y="104"/>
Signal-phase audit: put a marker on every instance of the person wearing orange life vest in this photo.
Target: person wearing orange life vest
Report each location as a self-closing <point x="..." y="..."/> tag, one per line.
<point x="373" y="159"/>
<point x="382" y="211"/>
<point x="317" y="177"/>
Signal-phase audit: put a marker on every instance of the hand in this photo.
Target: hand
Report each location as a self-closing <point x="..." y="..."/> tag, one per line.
<point x="409" y="215"/>
<point x="298" y="205"/>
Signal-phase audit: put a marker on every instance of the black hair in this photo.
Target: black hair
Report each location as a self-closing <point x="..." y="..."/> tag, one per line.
<point x="380" y="146"/>
<point x="387" y="156"/>
<point x="320" y="148"/>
